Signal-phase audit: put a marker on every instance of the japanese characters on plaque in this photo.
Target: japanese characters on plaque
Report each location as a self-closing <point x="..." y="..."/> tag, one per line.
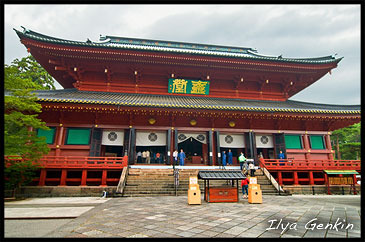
<point x="185" y="86"/>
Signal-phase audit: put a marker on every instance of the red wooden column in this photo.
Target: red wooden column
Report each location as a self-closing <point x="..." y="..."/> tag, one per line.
<point x="63" y="177"/>
<point x="295" y="175"/>
<point x="306" y="146"/>
<point x="328" y="146"/>
<point x="280" y="179"/>
<point x="83" y="177"/>
<point x="103" y="178"/>
<point x="59" y="140"/>
<point x="311" y="180"/>
<point x="42" y="177"/>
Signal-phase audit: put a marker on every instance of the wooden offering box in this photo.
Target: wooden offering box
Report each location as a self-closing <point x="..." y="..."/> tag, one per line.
<point x="222" y="194"/>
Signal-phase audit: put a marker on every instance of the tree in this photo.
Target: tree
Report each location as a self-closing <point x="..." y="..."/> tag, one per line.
<point x="347" y="142"/>
<point x="20" y="119"/>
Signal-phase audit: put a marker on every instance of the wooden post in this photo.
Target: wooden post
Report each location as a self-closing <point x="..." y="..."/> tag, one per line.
<point x="63" y="177"/>
<point x="311" y="180"/>
<point x="59" y="141"/>
<point x="83" y="177"/>
<point x="354" y="182"/>
<point x="306" y="146"/>
<point x="42" y="177"/>
<point x="295" y="175"/>
<point x="327" y="183"/>
<point x="280" y="179"/>
<point x="103" y="178"/>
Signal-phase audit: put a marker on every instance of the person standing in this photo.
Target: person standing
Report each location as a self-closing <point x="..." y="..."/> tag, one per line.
<point x="158" y="157"/>
<point x="175" y="155"/>
<point x="242" y="159"/>
<point x="139" y="157"/>
<point x="182" y="157"/>
<point x="148" y="157"/>
<point x="144" y="157"/>
<point x="281" y="156"/>
<point x="251" y="167"/>
<point x="244" y="185"/>
<point x="230" y="157"/>
<point x="224" y="158"/>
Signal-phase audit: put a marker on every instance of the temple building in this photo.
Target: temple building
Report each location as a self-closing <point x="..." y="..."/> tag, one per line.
<point x="123" y="96"/>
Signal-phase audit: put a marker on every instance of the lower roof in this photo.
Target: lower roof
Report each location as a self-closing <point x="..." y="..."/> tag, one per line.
<point x="74" y="95"/>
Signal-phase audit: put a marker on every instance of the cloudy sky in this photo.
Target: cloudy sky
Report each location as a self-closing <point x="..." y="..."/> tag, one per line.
<point x="290" y="30"/>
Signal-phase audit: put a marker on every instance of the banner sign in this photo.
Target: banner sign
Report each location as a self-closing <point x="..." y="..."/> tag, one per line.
<point x="264" y="141"/>
<point x="231" y="141"/>
<point x="150" y="138"/>
<point x="185" y="86"/>
<point x="112" y="137"/>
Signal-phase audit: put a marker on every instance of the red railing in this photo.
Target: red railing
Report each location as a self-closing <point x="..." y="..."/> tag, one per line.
<point x="76" y="162"/>
<point x="302" y="164"/>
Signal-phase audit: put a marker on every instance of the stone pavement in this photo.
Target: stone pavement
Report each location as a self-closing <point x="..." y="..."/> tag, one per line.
<point x="297" y="216"/>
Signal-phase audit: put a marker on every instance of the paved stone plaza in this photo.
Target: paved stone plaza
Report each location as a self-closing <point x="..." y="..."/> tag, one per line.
<point x="297" y="216"/>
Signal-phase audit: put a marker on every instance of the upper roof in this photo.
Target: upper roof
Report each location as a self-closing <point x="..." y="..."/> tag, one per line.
<point x="173" y="47"/>
<point x="178" y="101"/>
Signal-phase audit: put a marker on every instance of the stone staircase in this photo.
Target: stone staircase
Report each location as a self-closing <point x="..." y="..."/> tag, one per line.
<point x="160" y="182"/>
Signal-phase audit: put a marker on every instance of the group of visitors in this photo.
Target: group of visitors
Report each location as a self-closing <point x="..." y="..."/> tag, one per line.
<point x="179" y="156"/>
<point x="145" y="157"/>
<point x="224" y="158"/>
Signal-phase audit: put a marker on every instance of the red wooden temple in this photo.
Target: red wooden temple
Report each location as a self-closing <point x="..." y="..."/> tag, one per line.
<point x="123" y="96"/>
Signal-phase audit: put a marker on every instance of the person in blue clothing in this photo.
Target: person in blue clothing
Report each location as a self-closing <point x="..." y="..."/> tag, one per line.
<point x="224" y="158"/>
<point x="182" y="157"/>
<point x="230" y="157"/>
<point x="281" y="156"/>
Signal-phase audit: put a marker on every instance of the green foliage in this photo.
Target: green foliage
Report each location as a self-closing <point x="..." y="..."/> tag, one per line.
<point x="29" y="68"/>
<point x="349" y="142"/>
<point x="19" y="173"/>
<point x="20" y="79"/>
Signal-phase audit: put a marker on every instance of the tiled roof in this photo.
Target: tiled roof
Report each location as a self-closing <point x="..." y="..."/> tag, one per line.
<point x="174" y="47"/>
<point x="73" y="95"/>
<point x="221" y="175"/>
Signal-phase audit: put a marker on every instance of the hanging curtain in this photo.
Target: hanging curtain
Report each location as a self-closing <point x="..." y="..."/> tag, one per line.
<point x="150" y="138"/>
<point x="202" y="138"/>
<point x="112" y="137"/>
<point x="264" y="141"/>
<point x="231" y="140"/>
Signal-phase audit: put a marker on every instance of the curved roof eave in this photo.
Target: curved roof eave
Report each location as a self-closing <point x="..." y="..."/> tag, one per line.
<point x="248" y="53"/>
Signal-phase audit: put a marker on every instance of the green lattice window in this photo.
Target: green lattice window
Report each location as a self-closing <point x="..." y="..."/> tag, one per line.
<point x="49" y="134"/>
<point x="317" y="142"/>
<point x="78" y="136"/>
<point x="293" y="141"/>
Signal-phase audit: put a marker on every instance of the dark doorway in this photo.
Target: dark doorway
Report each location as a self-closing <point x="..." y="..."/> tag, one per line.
<point x="113" y="151"/>
<point x="191" y="147"/>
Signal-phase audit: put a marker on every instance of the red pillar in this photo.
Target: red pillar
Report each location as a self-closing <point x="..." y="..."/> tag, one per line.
<point x="42" y="177"/>
<point x="280" y="179"/>
<point x="295" y="175"/>
<point x="311" y="180"/>
<point x="63" y="177"/>
<point x="83" y="177"/>
<point x="59" y="140"/>
<point x="306" y="146"/>
<point x="103" y="178"/>
<point x="328" y="146"/>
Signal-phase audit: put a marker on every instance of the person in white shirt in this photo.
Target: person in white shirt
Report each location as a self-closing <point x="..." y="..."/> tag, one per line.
<point x="144" y="156"/>
<point x="175" y="154"/>
<point x="139" y="157"/>
<point x="148" y="158"/>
